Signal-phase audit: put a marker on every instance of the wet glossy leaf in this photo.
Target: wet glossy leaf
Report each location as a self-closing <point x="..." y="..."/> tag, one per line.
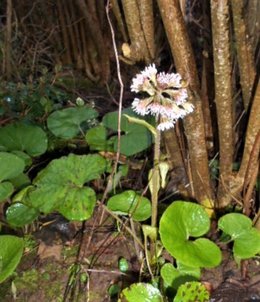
<point x="123" y="265"/>
<point x="11" y="251"/>
<point x="140" y="292"/>
<point x="180" y="221"/>
<point x="22" y="137"/>
<point x="65" y="123"/>
<point x="18" y="215"/>
<point x="246" y="237"/>
<point x="235" y="224"/>
<point x="130" y="203"/>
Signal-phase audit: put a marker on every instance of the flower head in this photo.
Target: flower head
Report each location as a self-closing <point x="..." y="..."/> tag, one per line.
<point x="167" y="98"/>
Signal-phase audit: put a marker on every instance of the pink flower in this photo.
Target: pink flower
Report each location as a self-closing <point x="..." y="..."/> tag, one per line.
<point x="169" y="80"/>
<point x="167" y="97"/>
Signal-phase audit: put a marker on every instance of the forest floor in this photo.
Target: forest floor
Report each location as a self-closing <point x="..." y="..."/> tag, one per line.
<point x="46" y="272"/>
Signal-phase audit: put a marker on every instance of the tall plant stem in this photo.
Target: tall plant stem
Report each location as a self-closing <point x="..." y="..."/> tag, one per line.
<point x="156" y="178"/>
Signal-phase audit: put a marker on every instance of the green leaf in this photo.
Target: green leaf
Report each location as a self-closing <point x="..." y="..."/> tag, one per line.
<point x="130" y="203"/>
<point x="247" y="245"/>
<point x="123" y="265"/>
<point x="192" y="291"/>
<point x="246" y="237"/>
<point x="235" y="224"/>
<point x="135" y="138"/>
<point x="24" y="156"/>
<point x="97" y="138"/>
<point x="6" y="189"/>
<point x="78" y="204"/>
<point x="11" y="166"/>
<point x="133" y="142"/>
<point x="61" y="186"/>
<point x="174" y="277"/>
<point x="11" y="251"/>
<point x="65" y="123"/>
<point x="113" y="290"/>
<point x="20" y="181"/>
<point x="140" y="292"/>
<point x="22" y="137"/>
<point x="18" y="215"/>
<point x="180" y="221"/>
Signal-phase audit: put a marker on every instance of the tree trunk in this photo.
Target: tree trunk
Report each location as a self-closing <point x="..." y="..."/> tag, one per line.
<point x="193" y="123"/>
<point x="223" y="93"/>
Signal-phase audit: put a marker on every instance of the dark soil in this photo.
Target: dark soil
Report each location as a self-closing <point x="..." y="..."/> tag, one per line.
<point x="46" y="272"/>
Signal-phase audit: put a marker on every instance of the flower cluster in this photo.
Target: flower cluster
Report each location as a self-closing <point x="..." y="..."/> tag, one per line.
<point x="167" y="98"/>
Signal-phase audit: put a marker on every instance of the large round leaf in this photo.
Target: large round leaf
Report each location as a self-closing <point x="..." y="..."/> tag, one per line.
<point x="11" y="165"/>
<point x="180" y="221"/>
<point x="65" y="123"/>
<point x="246" y="237"/>
<point x="22" y="137"/>
<point x="61" y="186"/>
<point x="136" y="138"/>
<point x="130" y="203"/>
<point x="141" y="292"/>
<point x="18" y="215"/>
<point x="11" y="251"/>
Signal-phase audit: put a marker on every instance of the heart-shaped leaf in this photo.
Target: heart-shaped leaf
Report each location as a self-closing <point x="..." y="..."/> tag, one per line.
<point x="140" y="292"/>
<point x="61" y="186"/>
<point x="246" y="237"/>
<point x="136" y="138"/>
<point x="11" y="251"/>
<point x="130" y="203"/>
<point x="65" y="123"/>
<point x="22" y="137"/>
<point x="180" y="221"/>
<point x="18" y="215"/>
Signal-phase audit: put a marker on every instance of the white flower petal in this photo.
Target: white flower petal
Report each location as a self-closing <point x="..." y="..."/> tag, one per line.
<point x="169" y="80"/>
<point x="166" y="125"/>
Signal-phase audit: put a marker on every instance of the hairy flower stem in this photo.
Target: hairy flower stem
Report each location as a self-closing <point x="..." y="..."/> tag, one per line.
<point x="156" y="178"/>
